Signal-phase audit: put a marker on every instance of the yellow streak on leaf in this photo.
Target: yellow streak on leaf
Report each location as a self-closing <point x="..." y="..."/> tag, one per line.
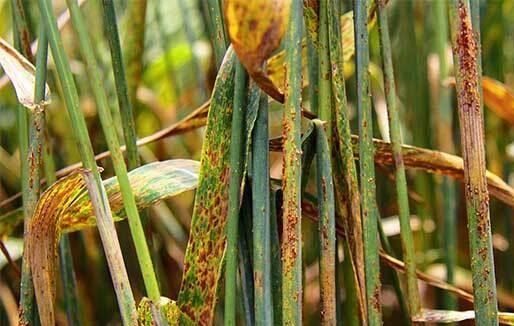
<point x="43" y="237"/>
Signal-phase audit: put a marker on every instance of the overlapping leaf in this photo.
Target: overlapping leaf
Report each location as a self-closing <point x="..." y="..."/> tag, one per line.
<point x="275" y="68"/>
<point x="65" y="206"/>
<point x="255" y="36"/>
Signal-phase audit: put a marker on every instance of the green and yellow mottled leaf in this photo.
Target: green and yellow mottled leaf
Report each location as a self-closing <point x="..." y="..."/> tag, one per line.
<point x="169" y="310"/>
<point x="207" y="240"/>
<point x="255" y="36"/>
<point x="150" y="183"/>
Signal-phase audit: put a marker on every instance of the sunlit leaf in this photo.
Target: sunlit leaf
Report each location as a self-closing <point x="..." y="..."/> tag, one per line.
<point x="452" y="316"/>
<point x="499" y="98"/>
<point x="14" y="247"/>
<point x="169" y="310"/>
<point x="21" y="73"/>
<point x="150" y="183"/>
<point x="255" y="35"/>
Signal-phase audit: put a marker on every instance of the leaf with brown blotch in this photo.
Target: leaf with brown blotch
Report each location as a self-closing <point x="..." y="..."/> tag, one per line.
<point x="255" y="36"/>
<point x="22" y="75"/>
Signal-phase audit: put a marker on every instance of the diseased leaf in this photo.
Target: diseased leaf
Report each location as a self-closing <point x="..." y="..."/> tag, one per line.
<point x="498" y="97"/>
<point x="43" y="237"/>
<point x="255" y="36"/>
<point x="150" y="183"/>
<point x="22" y="74"/>
<point x="207" y="240"/>
<point x="65" y="206"/>
<point x="170" y="312"/>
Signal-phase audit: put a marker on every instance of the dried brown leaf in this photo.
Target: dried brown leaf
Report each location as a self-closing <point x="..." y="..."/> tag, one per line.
<point x="22" y="75"/>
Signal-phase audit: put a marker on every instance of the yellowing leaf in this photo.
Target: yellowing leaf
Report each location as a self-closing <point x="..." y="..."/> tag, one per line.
<point x="21" y="73"/>
<point x="255" y="29"/>
<point x="499" y="98"/>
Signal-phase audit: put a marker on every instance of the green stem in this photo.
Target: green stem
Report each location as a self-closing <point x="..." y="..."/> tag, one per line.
<point x="466" y="53"/>
<point x="291" y="180"/>
<point x="345" y="155"/>
<point x="220" y="41"/>
<point x="261" y="217"/>
<point x="136" y="227"/>
<point x="325" y="92"/>
<point x="245" y="259"/>
<point x="236" y="173"/>
<point x="367" y="167"/>
<point x="30" y="190"/>
<point x="129" y="129"/>
<point x="276" y="277"/>
<point x="445" y="143"/>
<point x="104" y="220"/>
<point x="409" y="254"/>
<point x="327" y="227"/>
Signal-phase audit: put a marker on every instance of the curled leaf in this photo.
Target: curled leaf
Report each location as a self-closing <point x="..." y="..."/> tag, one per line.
<point x="65" y="206"/>
<point x="255" y="35"/>
<point x="150" y="183"/>
<point x="22" y="74"/>
<point x="43" y="237"/>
